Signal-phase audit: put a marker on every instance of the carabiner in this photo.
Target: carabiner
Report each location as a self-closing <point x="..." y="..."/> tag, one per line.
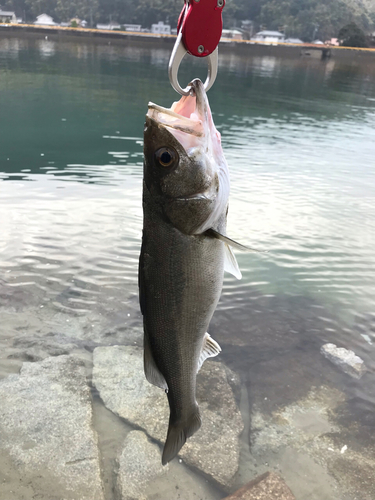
<point x="199" y="30"/>
<point x="177" y="55"/>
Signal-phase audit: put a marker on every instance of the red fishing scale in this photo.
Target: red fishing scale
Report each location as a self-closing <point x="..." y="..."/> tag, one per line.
<point x="198" y="33"/>
<point x="201" y="24"/>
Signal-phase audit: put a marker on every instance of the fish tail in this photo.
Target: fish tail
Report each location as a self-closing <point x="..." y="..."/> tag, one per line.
<point x="178" y="432"/>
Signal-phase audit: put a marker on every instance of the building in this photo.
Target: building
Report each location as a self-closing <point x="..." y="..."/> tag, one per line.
<point x="333" y="42"/>
<point x="44" y="20"/>
<point x="247" y="27"/>
<point x="295" y="41"/>
<point x="161" y="28"/>
<point x="132" y="27"/>
<point x="269" y="37"/>
<point x="233" y="34"/>
<point x="7" y="17"/>
<point x="110" y="26"/>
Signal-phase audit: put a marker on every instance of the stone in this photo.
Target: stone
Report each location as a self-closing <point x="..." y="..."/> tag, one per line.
<point x="268" y="486"/>
<point x="99" y="327"/>
<point x="345" y="359"/>
<point x="37" y="348"/>
<point x="46" y="430"/>
<point x="355" y="472"/>
<point x="37" y="354"/>
<point x="214" y="449"/>
<point x="139" y="464"/>
<point x="32" y="354"/>
<point x="304" y="441"/>
<point x="295" y="441"/>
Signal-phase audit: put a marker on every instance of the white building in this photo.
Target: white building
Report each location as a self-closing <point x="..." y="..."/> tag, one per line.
<point x="295" y="41"/>
<point x="161" y="28"/>
<point x="44" y="20"/>
<point x="333" y="42"/>
<point x="269" y="37"/>
<point x="247" y="27"/>
<point x="234" y="34"/>
<point x="7" y="17"/>
<point x="110" y="26"/>
<point x="132" y="27"/>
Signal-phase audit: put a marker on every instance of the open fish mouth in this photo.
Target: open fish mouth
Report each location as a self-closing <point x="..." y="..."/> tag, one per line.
<point x="189" y="120"/>
<point x="168" y="118"/>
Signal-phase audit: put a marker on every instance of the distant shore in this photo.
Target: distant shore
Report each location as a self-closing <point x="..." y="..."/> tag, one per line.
<point x="56" y="32"/>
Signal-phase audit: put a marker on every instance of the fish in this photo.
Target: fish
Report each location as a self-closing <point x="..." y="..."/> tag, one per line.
<point x="184" y="252"/>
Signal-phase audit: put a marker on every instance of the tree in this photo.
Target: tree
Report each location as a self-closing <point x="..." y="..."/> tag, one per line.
<point x="148" y="12"/>
<point x="299" y="17"/>
<point x="351" y="35"/>
<point x="36" y="7"/>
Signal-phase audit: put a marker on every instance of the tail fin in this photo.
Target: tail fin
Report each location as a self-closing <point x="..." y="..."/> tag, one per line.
<point x="178" y="432"/>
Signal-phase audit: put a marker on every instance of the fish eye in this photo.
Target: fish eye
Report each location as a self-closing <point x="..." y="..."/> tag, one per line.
<point x="166" y="157"/>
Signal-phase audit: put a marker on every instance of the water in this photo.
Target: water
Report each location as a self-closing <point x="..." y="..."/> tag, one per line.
<point x="298" y="134"/>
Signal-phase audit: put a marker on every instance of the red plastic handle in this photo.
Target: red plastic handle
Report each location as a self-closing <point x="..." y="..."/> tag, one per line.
<point x="202" y="26"/>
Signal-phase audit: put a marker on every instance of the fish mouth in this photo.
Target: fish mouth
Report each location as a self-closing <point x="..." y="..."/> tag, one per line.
<point x="190" y="115"/>
<point x="205" y="196"/>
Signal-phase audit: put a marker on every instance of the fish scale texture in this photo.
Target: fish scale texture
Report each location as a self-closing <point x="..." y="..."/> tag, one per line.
<point x="182" y="282"/>
<point x="181" y="267"/>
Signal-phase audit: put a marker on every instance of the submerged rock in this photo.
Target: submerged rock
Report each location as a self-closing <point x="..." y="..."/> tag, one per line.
<point x="265" y="487"/>
<point x="318" y="456"/>
<point x="345" y="359"/>
<point x="37" y="348"/>
<point x="214" y="449"/>
<point x="45" y="429"/>
<point x="139" y="464"/>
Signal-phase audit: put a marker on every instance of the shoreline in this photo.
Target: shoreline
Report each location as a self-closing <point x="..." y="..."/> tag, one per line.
<point x="225" y="44"/>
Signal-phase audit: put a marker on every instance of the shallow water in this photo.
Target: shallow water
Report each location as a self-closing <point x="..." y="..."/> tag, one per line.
<point x="298" y="134"/>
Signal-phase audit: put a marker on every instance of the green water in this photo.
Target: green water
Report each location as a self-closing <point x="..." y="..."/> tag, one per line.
<point x="298" y="134"/>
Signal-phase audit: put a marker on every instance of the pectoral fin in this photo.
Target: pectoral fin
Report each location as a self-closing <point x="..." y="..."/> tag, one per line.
<point x="230" y="263"/>
<point x="210" y="349"/>
<point x="214" y="234"/>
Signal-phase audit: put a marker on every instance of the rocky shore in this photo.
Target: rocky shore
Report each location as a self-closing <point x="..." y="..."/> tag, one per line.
<point x="47" y="432"/>
<point x="81" y="425"/>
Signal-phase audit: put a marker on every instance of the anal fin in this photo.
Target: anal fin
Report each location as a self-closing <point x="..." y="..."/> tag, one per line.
<point x="152" y="372"/>
<point x="210" y="349"/>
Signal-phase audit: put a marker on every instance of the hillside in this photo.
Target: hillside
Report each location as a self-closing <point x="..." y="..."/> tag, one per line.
<point x="306" y="19"/>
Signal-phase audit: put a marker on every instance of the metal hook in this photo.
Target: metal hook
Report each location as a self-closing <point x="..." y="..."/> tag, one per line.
<point x="177" y="55"/>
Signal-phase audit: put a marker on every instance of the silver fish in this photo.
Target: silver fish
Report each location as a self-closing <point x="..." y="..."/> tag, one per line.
<point x="184" y="252"/>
